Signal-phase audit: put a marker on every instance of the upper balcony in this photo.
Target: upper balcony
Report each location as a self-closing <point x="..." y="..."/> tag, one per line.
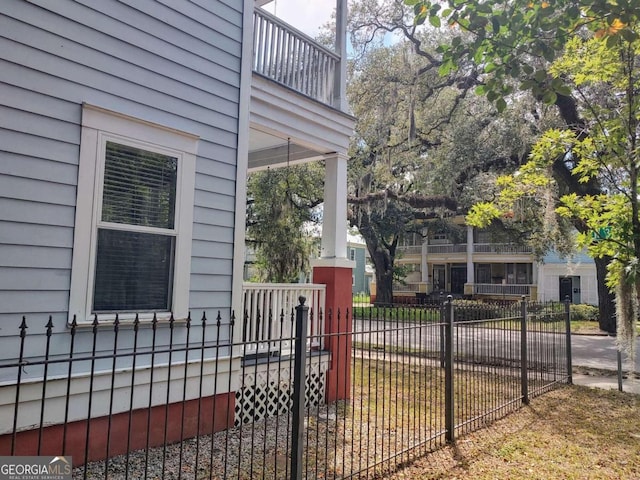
<point x="461" y="248"/>
<point x="291" y="58"/>
<point x="298" y="109"/>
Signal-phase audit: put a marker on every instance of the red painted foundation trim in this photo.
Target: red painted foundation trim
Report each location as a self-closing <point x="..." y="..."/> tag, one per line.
<point x="51" y="444"/>
<point x="337" y="321"/>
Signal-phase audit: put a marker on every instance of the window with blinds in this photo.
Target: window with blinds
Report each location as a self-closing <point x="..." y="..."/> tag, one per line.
<point x="133" y="226"/>
<point x="136" y="236"/>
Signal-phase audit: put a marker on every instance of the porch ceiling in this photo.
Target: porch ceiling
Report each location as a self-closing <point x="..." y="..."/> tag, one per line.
<point x="266" y="150"/>
<point x="278" y="113"/>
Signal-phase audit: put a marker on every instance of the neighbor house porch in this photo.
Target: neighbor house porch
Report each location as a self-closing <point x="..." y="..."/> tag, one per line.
<point x="478" y="267"/>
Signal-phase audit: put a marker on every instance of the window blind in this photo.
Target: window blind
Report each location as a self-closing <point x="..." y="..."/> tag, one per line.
<point x="133" y="271"/>
<point x="139" y="187"/>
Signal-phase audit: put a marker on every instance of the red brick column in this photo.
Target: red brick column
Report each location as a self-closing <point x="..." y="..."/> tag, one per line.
<point x="338" y="325"/>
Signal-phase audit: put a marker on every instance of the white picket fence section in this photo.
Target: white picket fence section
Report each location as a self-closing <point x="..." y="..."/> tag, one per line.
<point x="268" y="310"/>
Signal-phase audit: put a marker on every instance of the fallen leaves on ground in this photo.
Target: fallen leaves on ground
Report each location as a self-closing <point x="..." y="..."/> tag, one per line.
<point x="570" y="433"/>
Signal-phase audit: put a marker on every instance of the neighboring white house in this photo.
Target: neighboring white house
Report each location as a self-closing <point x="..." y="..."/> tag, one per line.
<point x="126" y="133"/>
<point x="482" y="268"/>
<point x="574" y="277"/>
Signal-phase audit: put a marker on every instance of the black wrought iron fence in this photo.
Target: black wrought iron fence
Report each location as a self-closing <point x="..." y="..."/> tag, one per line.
<point x="197" y="399"/>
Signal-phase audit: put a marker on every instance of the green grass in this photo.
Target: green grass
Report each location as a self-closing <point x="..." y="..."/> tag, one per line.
<point x="588" y="327"/>
<point x="432" y="315"/>
<point x="400" y="314"/>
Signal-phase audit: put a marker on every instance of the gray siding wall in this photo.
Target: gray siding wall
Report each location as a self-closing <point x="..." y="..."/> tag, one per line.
<point x="171" y="62"/>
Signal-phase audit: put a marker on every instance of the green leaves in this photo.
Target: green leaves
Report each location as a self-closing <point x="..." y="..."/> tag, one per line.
<point x="482" y="214"/>
<point x="509" y="39"/>
<point x="281" y="203"/>
<point x="549" y="97"/>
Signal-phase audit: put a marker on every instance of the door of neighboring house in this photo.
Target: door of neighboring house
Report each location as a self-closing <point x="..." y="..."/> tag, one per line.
<point x="576" y="290"/>
<point x="439" y="278"/>
<point x="566" y="288"/>
<point x="458" y="278"/>
<point x="570" y="286"/>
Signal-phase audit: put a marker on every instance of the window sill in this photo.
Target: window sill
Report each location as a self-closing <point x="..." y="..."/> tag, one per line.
<point x="107" y="319"/>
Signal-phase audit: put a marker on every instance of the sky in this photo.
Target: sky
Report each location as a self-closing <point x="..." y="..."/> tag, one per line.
<point x="305" y="15"/>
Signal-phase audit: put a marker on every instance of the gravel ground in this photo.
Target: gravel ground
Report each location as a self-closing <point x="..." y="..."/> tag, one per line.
<point x="179" y="460"/>
<point x="335" y="445"/>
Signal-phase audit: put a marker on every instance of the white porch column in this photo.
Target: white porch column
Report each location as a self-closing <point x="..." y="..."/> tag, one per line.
<point x="334" y="217"/>
<point x="470" y="269"/>
<point x="340" y="79"/>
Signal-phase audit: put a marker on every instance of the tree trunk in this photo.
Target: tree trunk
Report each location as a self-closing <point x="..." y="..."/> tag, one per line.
<point x="384" y="279"/>
<point x="606" y="304"/>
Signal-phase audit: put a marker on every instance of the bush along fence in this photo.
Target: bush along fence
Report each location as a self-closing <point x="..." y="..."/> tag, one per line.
<point x="369" y="391"/>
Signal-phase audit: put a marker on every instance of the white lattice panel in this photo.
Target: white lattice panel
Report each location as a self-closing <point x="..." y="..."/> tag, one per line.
<point x="267" y="390"/>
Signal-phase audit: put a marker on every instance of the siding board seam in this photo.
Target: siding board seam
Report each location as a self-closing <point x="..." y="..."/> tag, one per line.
<point x="130" y="24"/>
<point x="110" y="75"/>
<point x="95" y="54"/>
<point x="48" y="181"/>
<point x="135" y="101"/>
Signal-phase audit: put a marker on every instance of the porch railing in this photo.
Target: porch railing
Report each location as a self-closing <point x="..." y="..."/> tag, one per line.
<point x="502" y="289"/>
<point x="448" y="248"/>
<point x="508" y="248"/>
<point x="409" y="287"/>
<point x="288" y="56"/>
<point x="268" y="311"/>
<point x="410" y="249"/>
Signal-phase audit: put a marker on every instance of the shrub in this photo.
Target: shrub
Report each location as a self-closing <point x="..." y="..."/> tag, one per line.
<point x="584" y="311"/>
<point x="466" y="310"/>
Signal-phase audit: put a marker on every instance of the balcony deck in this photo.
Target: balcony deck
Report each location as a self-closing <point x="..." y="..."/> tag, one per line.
<point x="293" y="59"/>
<point x="297" y="111"/>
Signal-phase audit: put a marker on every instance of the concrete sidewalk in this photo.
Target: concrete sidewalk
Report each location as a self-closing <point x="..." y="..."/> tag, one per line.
<point x="595" y="363"/>
<point x="608" y="382"/>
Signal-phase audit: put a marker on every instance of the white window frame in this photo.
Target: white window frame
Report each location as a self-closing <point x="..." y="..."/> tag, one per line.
<point x="99" y="126"/>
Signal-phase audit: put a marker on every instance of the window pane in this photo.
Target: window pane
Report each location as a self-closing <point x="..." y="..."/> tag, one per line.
<point x="139" y="187"/>
<point x="483" y="273"/>
<point x="133" y="272"/>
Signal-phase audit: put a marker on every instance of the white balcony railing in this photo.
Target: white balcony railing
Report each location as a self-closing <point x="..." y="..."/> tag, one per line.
<point x="508" y="248"/>
<point x="288" y="56"/>
<point x="267" y="315"/>
<point x="410" y="249"/>
<point x="502" y="289"/>
<point x="448" y="248"/>
<point x="505" y="248"/>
